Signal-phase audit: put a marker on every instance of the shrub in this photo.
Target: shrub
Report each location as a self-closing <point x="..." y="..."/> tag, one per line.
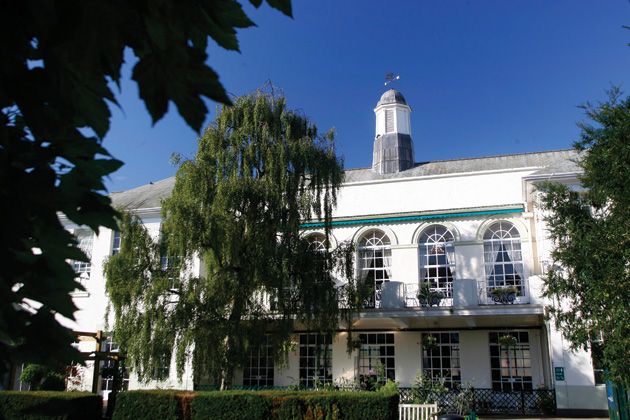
<point x="33" y="375"/>
<point x="231" y="405"/>
<point x="153" y="404"/>
<point x="237" y="405"/>
<point x="53" y="381"/>
<point x="289" y="405"/>
<point x="50" y="405"/>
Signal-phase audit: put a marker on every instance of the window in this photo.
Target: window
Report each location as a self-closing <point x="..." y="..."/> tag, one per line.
<point x="510" y="366"/>
<point x="437" y="260"/>
<point x="107" y="378"/>
<point x="85" y="242"/>
<point x="116" y="243"/>
<point x="376" y="356"/>
<point x="163" y="369"/>
<point x="374" y="263"/>
<point x="317" y="242"/>
<point x="597" y="354"/>
<point x="315" y="359"/>
<point x="503" y="258"/>
<point x="441" y="357"/>
<point x="259" y="368"/>
<point x="108" y="368"/>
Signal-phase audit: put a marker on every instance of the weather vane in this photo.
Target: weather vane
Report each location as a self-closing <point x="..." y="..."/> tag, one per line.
<point x="390" y="78"/>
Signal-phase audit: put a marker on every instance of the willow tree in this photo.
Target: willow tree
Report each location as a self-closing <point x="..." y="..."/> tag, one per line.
<point x="260" y="171"/>
<point x="591" y="233"/>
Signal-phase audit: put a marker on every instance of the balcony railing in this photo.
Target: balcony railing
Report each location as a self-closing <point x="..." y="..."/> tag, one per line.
<point x="413" y="301"/>
<point x="466" y="293"/>
<point x="503" y="293"/>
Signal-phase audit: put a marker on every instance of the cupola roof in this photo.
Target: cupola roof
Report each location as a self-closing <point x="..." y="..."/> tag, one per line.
<point x="392" y="96"/>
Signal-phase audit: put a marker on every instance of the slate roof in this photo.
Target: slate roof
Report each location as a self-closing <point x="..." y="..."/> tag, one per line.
<point x="550" y="162"/>
<point x="543" y="163"/>
<point x="144" y="197"/>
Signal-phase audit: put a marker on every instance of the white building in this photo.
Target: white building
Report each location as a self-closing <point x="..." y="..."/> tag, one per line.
<point x="468" y="227"/>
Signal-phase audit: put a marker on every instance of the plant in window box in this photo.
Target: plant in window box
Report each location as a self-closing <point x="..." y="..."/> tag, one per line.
<point x="427" y="296"/>
<point x="507" y="341"/>
<point x="503" y="295"/>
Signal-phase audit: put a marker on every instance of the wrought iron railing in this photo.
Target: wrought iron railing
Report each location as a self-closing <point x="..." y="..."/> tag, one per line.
<point x="479" y="400"/>
<point x="488" y="401"/>
<point x="495" y="293"/>
<point x="412" y="300"/>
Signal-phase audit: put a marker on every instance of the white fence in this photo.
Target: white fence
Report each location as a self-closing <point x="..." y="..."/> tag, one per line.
<point x="417" y="411"/>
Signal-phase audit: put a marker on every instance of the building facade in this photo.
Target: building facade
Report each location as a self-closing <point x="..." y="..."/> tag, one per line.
<point x="454" y="252"/>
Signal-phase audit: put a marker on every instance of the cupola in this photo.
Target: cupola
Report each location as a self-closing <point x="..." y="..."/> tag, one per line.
<point x="393" y="146"/>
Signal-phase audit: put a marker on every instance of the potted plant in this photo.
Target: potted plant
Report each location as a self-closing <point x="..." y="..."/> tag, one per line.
<point x="429" y="342"/>
<point x="429" y="297"/>
<point x="503" y="295"/>
<point x="507" y="341"/>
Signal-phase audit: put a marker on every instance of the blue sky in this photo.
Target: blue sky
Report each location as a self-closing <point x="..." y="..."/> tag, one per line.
<point x="483" y="77"/>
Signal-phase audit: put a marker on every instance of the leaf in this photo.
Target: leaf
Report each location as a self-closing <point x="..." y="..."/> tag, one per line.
<point x="283" y="5"/>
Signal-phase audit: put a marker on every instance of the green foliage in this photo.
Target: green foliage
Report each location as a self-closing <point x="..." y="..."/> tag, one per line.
<point x="58" y="59"/>
<point x="33" y="375"/>
<point x="152" y="404"/>
<point x="236" y="405"/>
<point x="260" y="171"/>
<point x="424" y="390"/>
<point x="545" y="400"/>
<point x="591" y="233"/>
<point x="428" y="297"/>
<point x="49" y="405"/>
<point x="53" y="381"/>
<point x="389" y="387"/>
<point x="233" y="405"/>
<point x="41" y="378"/>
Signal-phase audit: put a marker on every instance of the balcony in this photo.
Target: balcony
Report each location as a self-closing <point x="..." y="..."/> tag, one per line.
<point x="493" y="293"/>
<point x="461" y="293"/>
<point x="413" y="300"/>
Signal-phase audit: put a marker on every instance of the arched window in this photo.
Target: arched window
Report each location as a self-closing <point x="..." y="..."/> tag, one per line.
<point x="374" y="263"/>
<point x="437" y="260"/>
<point x="317" y="242"/>
<point x="503" y="259"/>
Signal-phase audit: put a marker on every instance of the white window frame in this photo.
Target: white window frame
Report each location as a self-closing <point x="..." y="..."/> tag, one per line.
<point x="503" y="258"/>
<point x="375" y="256"/>
<point x="437" y="259"/>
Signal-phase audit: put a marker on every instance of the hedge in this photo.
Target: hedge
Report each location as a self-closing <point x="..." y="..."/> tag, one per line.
<point x="260" y="405"/>
<point x="50" y="405"/>
<point x="153" y="405"/>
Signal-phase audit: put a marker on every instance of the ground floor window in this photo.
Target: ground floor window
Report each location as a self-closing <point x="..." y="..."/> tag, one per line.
<point x="107" y="376"/>
<point x="259" y="370"/>
<point x="377" y="357"/>
<point x="510" y="361"/>
<point x="315" y="359"/>
<point x="597" y="354"/>
<point x="441" y="357"/>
